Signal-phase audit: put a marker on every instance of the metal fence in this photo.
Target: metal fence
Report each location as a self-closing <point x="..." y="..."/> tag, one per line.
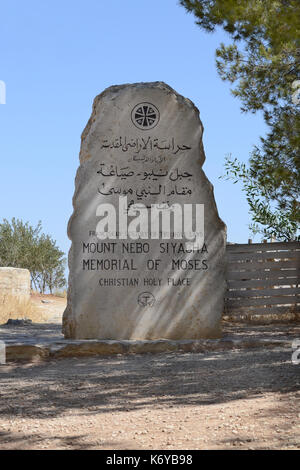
<point x="263" y="279"/>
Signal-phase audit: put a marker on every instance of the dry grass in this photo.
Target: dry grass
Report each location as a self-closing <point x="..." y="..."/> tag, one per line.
<point x="60" y="293"/>
<point x="18" y="308"/>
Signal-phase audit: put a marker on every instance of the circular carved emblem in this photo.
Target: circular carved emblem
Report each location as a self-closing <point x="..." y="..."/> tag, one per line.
<point x="145" y="116"/>
<point x="146" y="299"/>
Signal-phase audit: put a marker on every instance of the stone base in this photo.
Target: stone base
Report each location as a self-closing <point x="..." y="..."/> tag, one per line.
<point x="31" y="351"/>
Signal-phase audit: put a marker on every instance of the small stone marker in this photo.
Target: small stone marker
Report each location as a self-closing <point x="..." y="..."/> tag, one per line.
<point x="147" y="259"/>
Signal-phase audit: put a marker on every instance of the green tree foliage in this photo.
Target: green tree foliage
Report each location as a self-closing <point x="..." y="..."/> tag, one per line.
<point x="24" y="246"/>
<point x="263" y="64"/>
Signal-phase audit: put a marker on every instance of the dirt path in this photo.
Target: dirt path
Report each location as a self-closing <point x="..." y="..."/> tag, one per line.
<point x="241" y="399"/>
<point x="50" y="306"/>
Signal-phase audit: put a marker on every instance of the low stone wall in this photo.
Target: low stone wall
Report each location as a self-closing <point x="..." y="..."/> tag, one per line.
<point x="30" y="351"/>
<point x="15" y="282"/>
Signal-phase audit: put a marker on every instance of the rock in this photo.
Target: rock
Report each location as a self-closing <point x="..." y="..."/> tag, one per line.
<point x="149" y="278"/>
<point x="22" y="322"/>
<point x="15" y="282"/>
<point x="26" y="352"/>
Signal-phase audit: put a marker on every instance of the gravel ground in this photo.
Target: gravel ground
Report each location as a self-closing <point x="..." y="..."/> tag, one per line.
<point x="51" y="332"/>
<point x="233" y="399"/>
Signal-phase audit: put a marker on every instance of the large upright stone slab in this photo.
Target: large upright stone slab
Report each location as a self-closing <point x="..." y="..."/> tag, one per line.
<point x="143" y="146"/>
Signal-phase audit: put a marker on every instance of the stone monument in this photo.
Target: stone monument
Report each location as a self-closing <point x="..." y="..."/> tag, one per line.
<point x="147" y="259"/>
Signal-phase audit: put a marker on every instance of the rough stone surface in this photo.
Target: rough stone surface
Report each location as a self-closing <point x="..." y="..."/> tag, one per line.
<point x="45" y="341"/>
<point x="15" y="282"/>
<point x="30" y="352"/>
<point x="144" y="142"/>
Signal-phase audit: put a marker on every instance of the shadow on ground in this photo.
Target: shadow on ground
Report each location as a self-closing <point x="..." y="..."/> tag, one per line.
<point x="125" y="383"/>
